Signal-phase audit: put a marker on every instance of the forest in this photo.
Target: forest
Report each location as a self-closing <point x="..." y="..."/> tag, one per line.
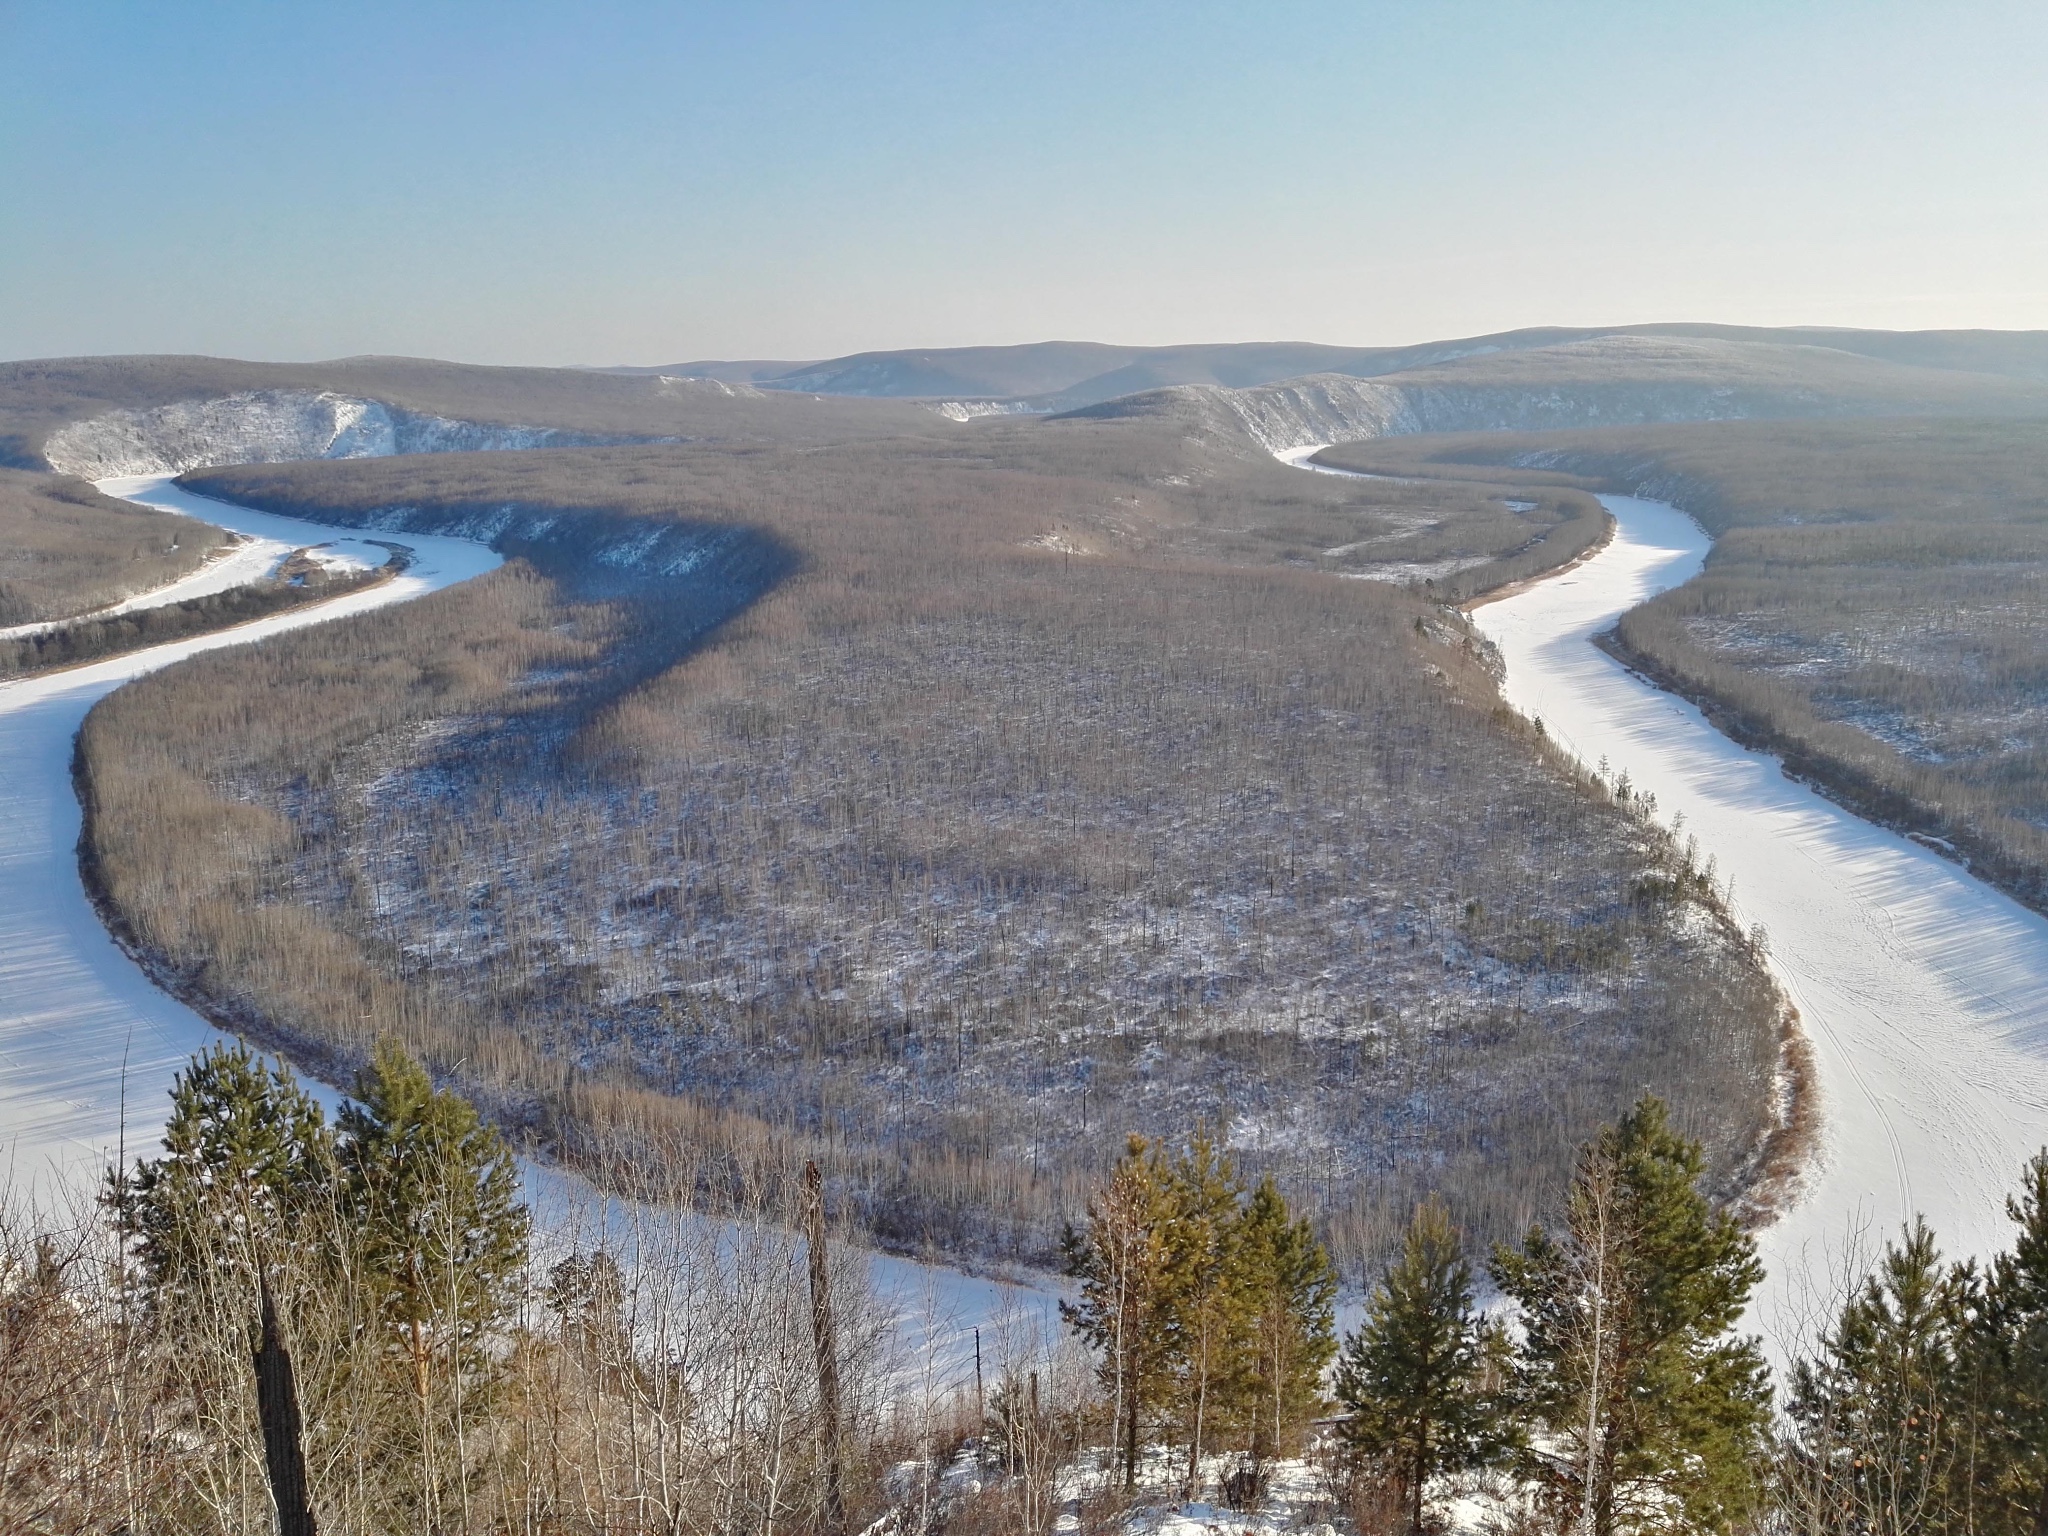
<point x="298" y="580"/>
<point x="1873" y="608"/>
<point x="284" y="1322"/>
<point x="65" y="549"/>
<point x="945" y="817"/>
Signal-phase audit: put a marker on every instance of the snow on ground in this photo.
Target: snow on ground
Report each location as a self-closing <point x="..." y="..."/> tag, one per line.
<point x="1924" y="992"/>
<point x="266" y="426"/>
<point x="88" y="1046"/>
<point x="251" y="557"/>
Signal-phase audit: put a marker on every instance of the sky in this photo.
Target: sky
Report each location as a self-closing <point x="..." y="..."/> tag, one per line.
<point x="604" y="181"/>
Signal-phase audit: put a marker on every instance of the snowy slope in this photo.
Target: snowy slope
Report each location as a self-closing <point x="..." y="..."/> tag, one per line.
<point x="267" y="427"/>
<point x="1924" y="992"/>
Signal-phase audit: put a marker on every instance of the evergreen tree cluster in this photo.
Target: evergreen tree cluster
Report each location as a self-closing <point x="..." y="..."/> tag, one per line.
<point x="1924" y="1407"/>
<point x="1620" y="1398"/>
<point x="1623" y="1399"/>
<point x="1209" y="1305"/>
<point x="375" y="1270"/>
<point x="408" y="1209"/>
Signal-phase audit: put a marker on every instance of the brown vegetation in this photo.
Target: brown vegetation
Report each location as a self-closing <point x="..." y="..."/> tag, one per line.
<point x="951" y="860"/>
<point x="300" y="581"/>
<point x="66" y="549"/>
<point x="1873" y="610"/>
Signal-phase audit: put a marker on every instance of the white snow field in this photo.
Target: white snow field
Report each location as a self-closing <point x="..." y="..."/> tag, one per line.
<point x="1923" y="991"/>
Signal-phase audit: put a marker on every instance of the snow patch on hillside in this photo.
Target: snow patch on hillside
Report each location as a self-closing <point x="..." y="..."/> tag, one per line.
<point x="671" y="384"/>
<point x="970" y="410"/>
<point x="270" y="426"/>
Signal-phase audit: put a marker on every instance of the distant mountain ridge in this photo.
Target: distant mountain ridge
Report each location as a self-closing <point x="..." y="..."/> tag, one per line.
<point x="1611" y="380"/>
<point x="1067" y="375"/>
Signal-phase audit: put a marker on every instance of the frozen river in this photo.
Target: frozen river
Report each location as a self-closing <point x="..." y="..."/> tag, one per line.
<point x="1923" y="991"/>
<point x="88" y="1046"/>
<point x="86" y="1041"/>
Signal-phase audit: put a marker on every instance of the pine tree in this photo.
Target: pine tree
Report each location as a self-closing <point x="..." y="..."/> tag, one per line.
<point x="1628" y="1360"/>
<point x="1876" y="1442"/>
<point x="1414" y="1377"/>
<point x="1206" y="1311"/>
<point x="1291" y="1287"/>
<point x="444" y="1238"/>
<point x="2008" y="1357"/>
<point x="1120" y="1261"/>
<point x="246" y="1152"/>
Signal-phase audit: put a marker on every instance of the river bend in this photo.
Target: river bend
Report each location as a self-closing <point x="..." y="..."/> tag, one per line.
<point x="1923" y="991"/>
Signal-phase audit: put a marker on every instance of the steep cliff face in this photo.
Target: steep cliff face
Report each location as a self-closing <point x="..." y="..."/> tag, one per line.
<point x="268" y="427"/>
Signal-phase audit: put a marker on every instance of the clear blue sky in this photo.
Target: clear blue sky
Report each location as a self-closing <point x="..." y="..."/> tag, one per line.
<point x="602" y="181"/>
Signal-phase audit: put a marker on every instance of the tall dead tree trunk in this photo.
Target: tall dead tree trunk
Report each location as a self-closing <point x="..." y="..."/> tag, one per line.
<point x="277" y="1406"/>
<point x="825" y="1341"/>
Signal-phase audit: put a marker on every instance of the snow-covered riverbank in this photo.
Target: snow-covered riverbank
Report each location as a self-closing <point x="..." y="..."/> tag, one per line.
<point x="88" y="1046"/>
<point x="1924" y="992"/>
<point x="86" y="1042"/>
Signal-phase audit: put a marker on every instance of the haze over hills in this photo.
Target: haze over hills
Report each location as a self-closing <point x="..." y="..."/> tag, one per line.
<point x="1063" y="375"/>
<point x="120" y="415"/>
<point x="1597" y="381"/>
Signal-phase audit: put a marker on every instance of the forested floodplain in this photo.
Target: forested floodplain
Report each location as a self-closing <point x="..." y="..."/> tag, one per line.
<point x="1875" y="607"/>
<point x="944" y="815"/>
<point x="66" y="549"/>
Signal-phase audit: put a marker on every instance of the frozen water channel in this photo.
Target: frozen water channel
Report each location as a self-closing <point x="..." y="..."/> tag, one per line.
<point x="88" y="1046"/>
<point x="1923" y="991"/>
<point x="85" y="1040"/>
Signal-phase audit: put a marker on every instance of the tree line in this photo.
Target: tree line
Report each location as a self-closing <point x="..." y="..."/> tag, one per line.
<point x="90" y="639"/>
<point x="278" y="1322"/>
<point x="1606" y="1389"/>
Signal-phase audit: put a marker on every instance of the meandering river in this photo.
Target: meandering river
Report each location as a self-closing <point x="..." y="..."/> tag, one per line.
<point x="1924" y="992"/>
<point x="88" y="1046"/>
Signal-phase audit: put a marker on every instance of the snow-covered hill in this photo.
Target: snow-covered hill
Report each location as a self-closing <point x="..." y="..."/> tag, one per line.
<point x="268" y="427"/>
<point x="1601" y="382"/>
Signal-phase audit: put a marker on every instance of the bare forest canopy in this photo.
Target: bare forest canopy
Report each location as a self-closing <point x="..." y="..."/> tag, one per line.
<point x="65" y="548"/>
<point x="39" y="397"/>
<point x="299" y="581"/>
<point x="1875" y="606"/>
<point x="944" y="811"/>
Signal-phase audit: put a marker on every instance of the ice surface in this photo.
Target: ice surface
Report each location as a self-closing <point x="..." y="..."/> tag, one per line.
<point x="1923" y="991"/>
<point x="88" y="1046"/>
